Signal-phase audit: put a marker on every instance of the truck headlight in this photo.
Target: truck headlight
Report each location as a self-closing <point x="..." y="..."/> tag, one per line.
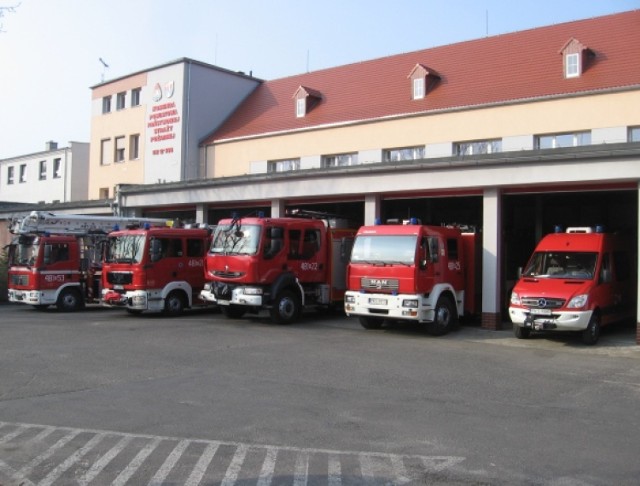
<point x="350" y="299"/>
<point x="410" y="303"/>
<point x="578" y="301"/>
<point x="207" y="286"/>
<point x="515" y="298"/>
<point x="139" y="300"/>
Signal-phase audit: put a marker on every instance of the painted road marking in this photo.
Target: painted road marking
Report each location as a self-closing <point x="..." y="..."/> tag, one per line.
<point x="42" y="455"/>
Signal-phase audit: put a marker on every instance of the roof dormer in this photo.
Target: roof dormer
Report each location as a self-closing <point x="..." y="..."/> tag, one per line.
<point x="306" y="99"/>
<point x="423" y="80"/>
<point x="575" y="58"/>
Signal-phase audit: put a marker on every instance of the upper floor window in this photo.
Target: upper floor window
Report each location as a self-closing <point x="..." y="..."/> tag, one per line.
<point x="105" y="151"/>
<point x="575" y="57"/>
<point x="407" y="153"/>
<point x="634" y="134"/>
<point x="477" y="147"/>
<point x="560" y="140"/>
<point x="285" y="165"/>
<point x="306" y="99"/>
<point x="119" y="153"/>
<point x="43" y="170"/>
<point x="10" y="174"/>
<point x="134" y="147"/>
<point x="301" y="107"/>
<point x="56" y="168"/>
<point x="418" y="88"/>
<point x="103" y="193"/>
<point x="422" y="79"/>
<point x="572" y="65"/>
<point x="341" y="160"/>
<point x="106" y="104"/>
<point x="135" y="97"/>
<point x="23" y="173"/>
<point x="120" y="100"/>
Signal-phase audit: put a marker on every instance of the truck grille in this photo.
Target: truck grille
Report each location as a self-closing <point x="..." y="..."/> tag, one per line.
<point x="20" y="279"/>
<point x="542" y="302"/>
<point x="221" y="274"/>
<point x="119" y="278"/>
<point x="388" y="284"/>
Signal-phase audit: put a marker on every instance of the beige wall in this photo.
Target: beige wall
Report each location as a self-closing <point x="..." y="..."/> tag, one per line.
<point x="551" y="116"/>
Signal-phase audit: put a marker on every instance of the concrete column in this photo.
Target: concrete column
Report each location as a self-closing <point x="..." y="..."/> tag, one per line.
<point x="277" y="208"/>
<point x="491" y="259"/>
<point x="201" y="214"/>
<point x="371" y="208"/>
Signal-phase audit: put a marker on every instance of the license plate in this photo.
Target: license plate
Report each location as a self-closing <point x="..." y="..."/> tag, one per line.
<point x="541" y="312"/>
<point x="374" y="301"/>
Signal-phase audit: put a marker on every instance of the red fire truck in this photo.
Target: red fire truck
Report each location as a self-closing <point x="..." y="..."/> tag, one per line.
<point x="55" y="259"/>
<point x="413" y="272"/>
<point x="155" y="269"/>
<point x="578" y="280"/>
<point x="283" y="265"/>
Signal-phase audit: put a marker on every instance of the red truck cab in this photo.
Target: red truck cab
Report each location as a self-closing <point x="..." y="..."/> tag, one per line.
<point x="578" y="280"/>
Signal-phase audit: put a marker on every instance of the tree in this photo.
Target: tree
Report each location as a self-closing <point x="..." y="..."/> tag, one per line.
<point x="6" y="10"/>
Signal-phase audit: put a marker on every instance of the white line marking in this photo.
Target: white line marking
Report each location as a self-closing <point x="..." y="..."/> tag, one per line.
<point x="366" y="466"/>
<point x="137" y="461"/>
<point x="301" y="471"/>
<point x="236" y="464"/>
<point x="203" y="463"/>
<point x="26" y="470"/>
<point x="12" y="435"/>
<point x="399" y="470"/>
<point x="169" y="463"/>
<point x="268" y="467"/>
<point x="50" y="478"/>
<point x="334" y="471"/>
<point x="101" y="463"/>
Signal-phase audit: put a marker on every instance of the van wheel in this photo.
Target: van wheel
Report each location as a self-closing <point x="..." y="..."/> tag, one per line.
<point x="233" y="311"/>
<point x="521" y="332"/>
<point x="591" y="334"/>
<point x="286" y="307"/>
<point x="446" y="318"/>
<point x="69" y="300"/>
<point x="371" y="322"/>
<point x="174" y="304"/>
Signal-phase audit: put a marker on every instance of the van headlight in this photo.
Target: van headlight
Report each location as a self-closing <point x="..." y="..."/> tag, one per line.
<point x="578" y="301"/>
<point x="515" y="298"/>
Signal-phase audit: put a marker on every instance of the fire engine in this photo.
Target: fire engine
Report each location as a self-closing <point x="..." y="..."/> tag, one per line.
<point x="155" y="269"/>
<point x="55" y="259"/>
<point x="577" y="280"/>
<point x="412" y="272"/>
<point x="283" y="265"/>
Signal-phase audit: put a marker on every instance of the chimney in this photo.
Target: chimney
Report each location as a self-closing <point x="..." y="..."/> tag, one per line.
<point x="51" y="145"/>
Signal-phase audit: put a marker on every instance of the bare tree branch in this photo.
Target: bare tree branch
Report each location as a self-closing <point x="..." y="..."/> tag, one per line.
<point x="6" y="10"/>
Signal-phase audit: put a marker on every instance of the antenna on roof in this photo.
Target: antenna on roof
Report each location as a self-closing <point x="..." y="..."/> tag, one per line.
<point x="307" y="60"/>
<point x="486" y="23"/>
<point x="104" y="66"/>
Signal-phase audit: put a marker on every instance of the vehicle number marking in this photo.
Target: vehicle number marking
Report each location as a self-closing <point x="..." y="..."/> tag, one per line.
<point x="54" y="278"/>
<point x="310" y="266"/>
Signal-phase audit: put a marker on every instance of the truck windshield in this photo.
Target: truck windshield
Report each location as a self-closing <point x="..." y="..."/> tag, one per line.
<point x="24" y="251"/>
<point x="576" y="265"/>
<point x="125" y="249"/>
<point x="238" y="239"/>
<point x="384" y="249"/>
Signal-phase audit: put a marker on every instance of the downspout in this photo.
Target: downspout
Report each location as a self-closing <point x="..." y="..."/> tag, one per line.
<point x="185" y="124"/>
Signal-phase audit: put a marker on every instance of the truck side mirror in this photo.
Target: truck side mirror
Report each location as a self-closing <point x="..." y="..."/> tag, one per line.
<point x="155" y="250"/>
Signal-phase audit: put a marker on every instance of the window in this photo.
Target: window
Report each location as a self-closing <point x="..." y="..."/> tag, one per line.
<point x="301" y="107"/>
<point x="560" y="140"/>
<point x="23" y="173"/>
<point x="105" y="151"/>
<point x="572" y="65"/>
<point x="120" y="100"/>
<point x="134" y="147"/>
<point x="283" y="165"/>
<point x="477" y="147"/>
<point x="10" y="175"/>
<point x="418" y="88"/>
<point x="341" y="160"/>
<point x="106" y="104"/>
<point x="170" y="247"/>
<point x="103" y="193"/>
<point x="56" y="168"/>
<point x="634" y="134"/>
<point x="195" y="247"/>
<point x="119" y="153"/>
<point x="135" y="97"/>
<point x="408" y="153"/>
<point x="43" y="170"/>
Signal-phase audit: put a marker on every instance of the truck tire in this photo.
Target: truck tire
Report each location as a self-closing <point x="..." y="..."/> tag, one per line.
<point x="591" y="334"/>
<point x="69" y="300"/>
<point x="521" y="332"/>
<point x="233" y="311"/>
<point x="446" y="318"/>
<point x="174" y="303"/>
<point x="371" y="322"/>
<point x="286" y="307"/>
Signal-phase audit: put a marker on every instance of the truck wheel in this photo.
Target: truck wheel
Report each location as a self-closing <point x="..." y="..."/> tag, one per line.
<point x="446" y="318"/>
<point x="233" y="311"/>
<point x="174" y="304"/>
<point x="371" y="322"/>
<point x="69" y="300"/>
<point x="521" y="332"/>
<point x="592" y="333"/>
<point x="286" y="307"/>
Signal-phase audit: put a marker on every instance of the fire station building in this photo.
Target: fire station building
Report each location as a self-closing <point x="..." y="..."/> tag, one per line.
<point x="513" y="134"/>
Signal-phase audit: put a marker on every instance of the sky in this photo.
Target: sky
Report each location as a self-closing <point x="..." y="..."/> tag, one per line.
<point x="50" y="50"/>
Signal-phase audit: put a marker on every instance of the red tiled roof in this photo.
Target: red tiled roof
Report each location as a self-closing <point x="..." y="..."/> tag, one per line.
<point x="502" y="68"/>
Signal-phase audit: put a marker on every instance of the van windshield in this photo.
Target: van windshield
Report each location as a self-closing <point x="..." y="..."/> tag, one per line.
<point x="567" y="265"/>
<point x="384" y="249"/>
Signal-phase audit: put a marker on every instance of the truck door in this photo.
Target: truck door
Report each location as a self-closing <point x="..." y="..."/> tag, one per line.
<point x="196" y="248"/>
<point x="57" y="266"/>
<point x="307" y="254"/>
<point x="454" y="268"/>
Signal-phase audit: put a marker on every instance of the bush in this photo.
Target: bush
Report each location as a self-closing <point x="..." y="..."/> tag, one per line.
<point x="4" y="270"/>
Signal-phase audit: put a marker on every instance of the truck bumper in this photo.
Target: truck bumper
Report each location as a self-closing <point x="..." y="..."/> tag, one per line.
<point x="136" y="300"/>
<point x="32" y="297"/>
<point x="557" y="321"/>
<point x="386" y="306"/>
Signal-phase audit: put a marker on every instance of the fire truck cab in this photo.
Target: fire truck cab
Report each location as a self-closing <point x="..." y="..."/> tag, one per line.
<point x="578" y="280"/>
